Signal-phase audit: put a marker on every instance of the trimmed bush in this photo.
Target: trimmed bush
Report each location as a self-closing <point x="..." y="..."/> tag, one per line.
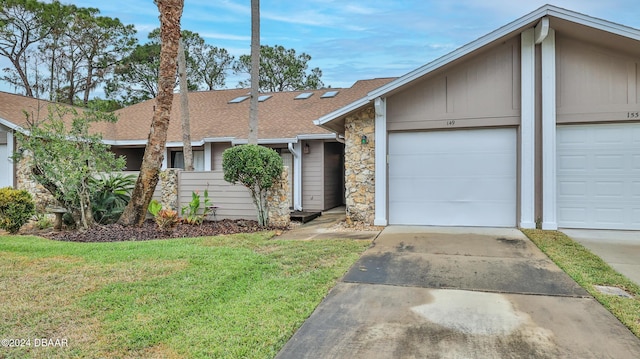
<point x="16" y="208"/>
<point x="255" y="167"/>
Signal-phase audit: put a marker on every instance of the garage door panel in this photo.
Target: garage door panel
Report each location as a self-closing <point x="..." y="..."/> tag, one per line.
<point x="465" y="177"/>
<point x="602" y="189"/>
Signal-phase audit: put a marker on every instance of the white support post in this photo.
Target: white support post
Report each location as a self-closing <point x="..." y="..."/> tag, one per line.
<point x="527" y="130"/>
<point x="165" y="159"/>
<point x="380" y="218"/>
<point x="207" y="156"/>
<point x="296" y="151"/>
<point x="8" y="164"/>
<point x="549" y="217"/>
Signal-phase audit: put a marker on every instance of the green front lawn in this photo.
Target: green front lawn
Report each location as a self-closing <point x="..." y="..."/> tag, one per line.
<point x="588" y="270"/>
<point x="239" y="296"/>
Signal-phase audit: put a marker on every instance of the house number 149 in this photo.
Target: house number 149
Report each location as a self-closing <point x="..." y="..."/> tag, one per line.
<point x="633" y="114"/>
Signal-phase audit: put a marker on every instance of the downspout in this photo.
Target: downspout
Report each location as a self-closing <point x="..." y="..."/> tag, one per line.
<point x="297" y="176"/>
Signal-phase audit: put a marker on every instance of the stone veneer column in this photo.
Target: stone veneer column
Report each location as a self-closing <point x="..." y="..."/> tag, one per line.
<point x="169" y="188"/>
<point x="278" y="199"/>
<point x="25" y="181"/>
<point x="360" y="167"/>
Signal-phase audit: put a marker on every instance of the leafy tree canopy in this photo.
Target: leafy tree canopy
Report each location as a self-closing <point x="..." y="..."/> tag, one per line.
<point x="282" y="70"/>
<point x="65" y="156"/>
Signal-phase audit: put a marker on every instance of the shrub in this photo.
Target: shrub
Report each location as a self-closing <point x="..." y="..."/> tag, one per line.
<point x="16" y="208"/>
<point x="111" y="194"/>
<point x="257" y="168"/>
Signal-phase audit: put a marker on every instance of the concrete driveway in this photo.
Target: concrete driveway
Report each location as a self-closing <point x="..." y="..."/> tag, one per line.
<point x="620" y="249"/>
<point x="424" y="292"/>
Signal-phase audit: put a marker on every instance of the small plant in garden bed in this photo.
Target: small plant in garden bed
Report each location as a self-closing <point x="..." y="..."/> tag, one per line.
<point x="190" y="212"/>
<point x="164" y="218"/>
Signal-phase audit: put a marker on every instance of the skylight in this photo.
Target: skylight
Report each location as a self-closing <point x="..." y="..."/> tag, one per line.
<point x="264" y="98"/>
<point x="329" y="94"/>
<point x="239" y="99"/>
<point x="304" y="96"/>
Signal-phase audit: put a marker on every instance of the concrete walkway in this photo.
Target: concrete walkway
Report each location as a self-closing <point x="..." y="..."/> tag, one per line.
<point x="324" y="226"/>
<point x="423" y="292"/>
<point x="620" y="249"/>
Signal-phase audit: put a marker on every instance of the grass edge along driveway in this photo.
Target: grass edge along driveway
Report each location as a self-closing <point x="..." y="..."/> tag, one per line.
<point x="237" y="296"/>
<point x="588" y="270"/>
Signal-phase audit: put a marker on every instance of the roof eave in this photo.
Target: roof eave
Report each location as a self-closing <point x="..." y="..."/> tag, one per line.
<point x="326" y="120"/>
<point x="505" y="31"/>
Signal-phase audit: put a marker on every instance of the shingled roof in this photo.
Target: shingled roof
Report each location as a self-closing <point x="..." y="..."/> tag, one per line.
<point x="214" y="118"/>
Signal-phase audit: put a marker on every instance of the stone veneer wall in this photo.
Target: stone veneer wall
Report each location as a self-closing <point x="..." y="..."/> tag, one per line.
<point x="25" y="181"/>
<point x="169" y="188"/>
<point x="360" y="167"/>
<point x="278" y="199"/>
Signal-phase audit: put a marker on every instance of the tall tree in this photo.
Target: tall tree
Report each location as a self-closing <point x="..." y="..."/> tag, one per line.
<point x="23" y="24"/>
<point x="136" y="79"/>
<point x="255" y="71"/>
<point x="101" y="42"/>
<point x="187" y="151"/>
<point x="282" y="70"/>
<point x="211" y="65"/>
<point x="136" y="210"/>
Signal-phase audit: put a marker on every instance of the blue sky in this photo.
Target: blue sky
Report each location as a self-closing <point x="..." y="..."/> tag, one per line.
<point x="349" y="39"/>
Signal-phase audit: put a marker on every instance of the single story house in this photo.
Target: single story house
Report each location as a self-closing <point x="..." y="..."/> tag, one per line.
<point x="218" y="120"/>
<point x="535" y="123"/>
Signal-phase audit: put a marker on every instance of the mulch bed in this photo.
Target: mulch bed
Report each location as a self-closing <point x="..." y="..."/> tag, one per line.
<point x="149" y="230"/>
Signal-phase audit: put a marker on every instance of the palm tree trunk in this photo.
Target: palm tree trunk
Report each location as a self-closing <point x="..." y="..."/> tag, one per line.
<point x="187" y="151"/>
<point x="255" y="71"/>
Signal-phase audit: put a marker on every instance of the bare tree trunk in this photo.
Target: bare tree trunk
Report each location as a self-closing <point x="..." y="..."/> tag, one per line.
<point x="184" y="110"/>
<point x="136" y="210"/>
<point x="255" y="71"/>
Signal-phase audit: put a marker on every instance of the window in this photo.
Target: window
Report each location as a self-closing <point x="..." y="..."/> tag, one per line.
<point x="304" y="96"/>
<point x="177" y="160"/>
<point x="329" y="94"/>
<point x="239" y="99"/>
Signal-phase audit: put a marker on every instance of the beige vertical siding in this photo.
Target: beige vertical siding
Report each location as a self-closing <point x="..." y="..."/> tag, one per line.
<point x="595" y="83"/>
<point x="333" y="175"/>
<point x="313" y="176"/>
<point x="234" y="201"/>
<point x="481" y="91"/>
<point x="216" y="155"/>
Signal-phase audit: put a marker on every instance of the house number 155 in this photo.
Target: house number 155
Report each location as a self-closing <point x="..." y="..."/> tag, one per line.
<point x="633" y="114"/>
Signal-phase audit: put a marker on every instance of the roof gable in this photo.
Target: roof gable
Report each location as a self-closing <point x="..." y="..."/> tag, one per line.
<point x="563" y="18"/>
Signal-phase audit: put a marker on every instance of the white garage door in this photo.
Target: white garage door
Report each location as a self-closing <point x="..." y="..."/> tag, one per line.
<point x="453" y="178"/>
<point x="599" y="176"/>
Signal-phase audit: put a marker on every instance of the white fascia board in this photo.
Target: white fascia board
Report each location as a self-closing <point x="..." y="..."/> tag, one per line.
<point x="319" y="136"/>
<point x="144" y="143"/>
<point x="354" y="106"/>
<point x="264" y="141"/>
<point x="125" y="142"/>
<point x="593" y="22"/>
<point x="218" y="139"/>
<point x="275" y="141"/>
<point x="13" y="126"/>
<point x="459" y="53"/>
<point x="525" y="21"/>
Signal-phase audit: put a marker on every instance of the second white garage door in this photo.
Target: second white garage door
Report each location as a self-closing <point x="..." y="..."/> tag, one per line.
<point x="453" y="178"/>
<point x="599" y="176"/>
